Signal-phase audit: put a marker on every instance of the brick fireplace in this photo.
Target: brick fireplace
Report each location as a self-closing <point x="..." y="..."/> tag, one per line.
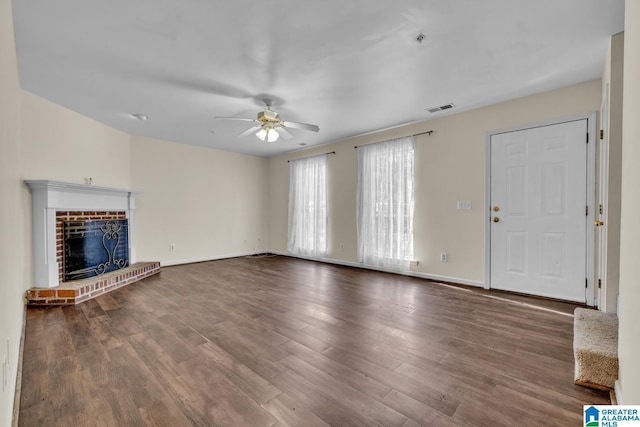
<point x="53" y="203"/>
<point x="67" y="216"/>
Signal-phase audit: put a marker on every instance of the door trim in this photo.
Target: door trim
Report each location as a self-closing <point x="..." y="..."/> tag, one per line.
<point x="591" y="117"/>
<point x="603" y="202"/>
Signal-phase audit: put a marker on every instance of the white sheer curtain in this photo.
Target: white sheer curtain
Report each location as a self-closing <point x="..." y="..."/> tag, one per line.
<point x="385" y="203"/>
<point x="308" y="206"/>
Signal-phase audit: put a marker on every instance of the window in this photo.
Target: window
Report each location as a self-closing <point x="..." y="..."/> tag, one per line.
<point x="385" y="203"/>
<point x="308" y="206"/>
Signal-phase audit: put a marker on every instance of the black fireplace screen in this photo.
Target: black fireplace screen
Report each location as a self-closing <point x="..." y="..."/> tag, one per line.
<point x="95" y="247"/>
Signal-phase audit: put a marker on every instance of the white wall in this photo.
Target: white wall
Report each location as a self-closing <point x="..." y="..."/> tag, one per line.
<point x="208" y="203"/>
<point x="12" y="222"/>
<point x="449" y="167"/>
<point x="629" y="315"/>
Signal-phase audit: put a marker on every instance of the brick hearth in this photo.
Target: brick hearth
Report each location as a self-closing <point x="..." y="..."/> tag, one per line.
<point x="77" y="291"/>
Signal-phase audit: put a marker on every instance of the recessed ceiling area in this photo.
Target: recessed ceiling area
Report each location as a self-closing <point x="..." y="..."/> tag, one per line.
<point x="350" y="67"/>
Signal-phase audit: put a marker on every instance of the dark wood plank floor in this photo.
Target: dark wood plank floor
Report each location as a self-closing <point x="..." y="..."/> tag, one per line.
<point x="277" y="341"/>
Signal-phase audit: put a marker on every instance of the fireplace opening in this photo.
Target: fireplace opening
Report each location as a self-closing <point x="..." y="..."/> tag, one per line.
<point x="94" y="247"/>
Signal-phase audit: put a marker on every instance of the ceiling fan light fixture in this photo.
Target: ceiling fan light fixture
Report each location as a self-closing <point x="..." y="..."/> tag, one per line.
<point x="268" y="126"/>
<point x="272" y="135"/>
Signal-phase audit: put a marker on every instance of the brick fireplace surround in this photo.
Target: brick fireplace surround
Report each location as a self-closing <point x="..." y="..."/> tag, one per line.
<point x="54" y="202"/>
<point x="62" y="216"/>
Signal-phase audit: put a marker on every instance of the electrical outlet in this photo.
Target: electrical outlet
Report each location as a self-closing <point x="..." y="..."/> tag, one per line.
<point x="444" y="257"/>
<point x="172" y="247"/>
<point x="341" y="247"/>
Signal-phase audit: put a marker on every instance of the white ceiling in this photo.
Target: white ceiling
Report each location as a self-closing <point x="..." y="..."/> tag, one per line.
<point x="349" y="66"/>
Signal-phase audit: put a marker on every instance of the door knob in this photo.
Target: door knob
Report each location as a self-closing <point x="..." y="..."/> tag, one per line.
<point x="599" y="223"/>
<point x="496" y="208"/>
<point x="496" y="219"/>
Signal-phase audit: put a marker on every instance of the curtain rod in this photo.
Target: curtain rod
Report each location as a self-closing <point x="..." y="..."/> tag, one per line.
<point x="316" y="155"/>
<point x="429" y="132"/>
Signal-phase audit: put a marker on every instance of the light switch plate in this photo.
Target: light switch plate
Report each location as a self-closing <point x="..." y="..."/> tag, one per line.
<point x="464" y="205"/>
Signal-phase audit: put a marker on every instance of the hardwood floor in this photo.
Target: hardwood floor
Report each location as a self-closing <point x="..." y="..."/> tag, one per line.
<point x="277" y="341"/>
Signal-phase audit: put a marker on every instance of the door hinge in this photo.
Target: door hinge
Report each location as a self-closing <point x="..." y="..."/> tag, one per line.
<point x="601" y="134"/>
<point x="587" y="137"/>
<point x="586" y="282"/>
<point x="599" y="283"/>
<point x="586" y="210"/>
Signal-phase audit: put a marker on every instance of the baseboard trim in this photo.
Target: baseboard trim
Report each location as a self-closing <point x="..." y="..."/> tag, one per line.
<point x="617" y="389"/>
<point x="418" y="274"/>
<point x="210" y="258"/>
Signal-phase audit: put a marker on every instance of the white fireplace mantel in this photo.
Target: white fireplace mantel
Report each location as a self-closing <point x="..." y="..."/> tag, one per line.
<point x="48" y="197"/>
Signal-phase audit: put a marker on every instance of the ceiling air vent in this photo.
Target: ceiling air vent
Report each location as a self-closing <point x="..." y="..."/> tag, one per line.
<point x="441" y="108"/>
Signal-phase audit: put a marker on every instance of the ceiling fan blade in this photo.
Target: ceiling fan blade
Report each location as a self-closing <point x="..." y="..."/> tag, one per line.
<point x="250" y="131"/>
<point x="304" y="126"/>
<point x="282" y="131"/>
<point x="237" y="118"/>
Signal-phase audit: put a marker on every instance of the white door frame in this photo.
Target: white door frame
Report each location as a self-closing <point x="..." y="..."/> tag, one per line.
<point x="591" y="185"/>
<point x="603" y="200"/>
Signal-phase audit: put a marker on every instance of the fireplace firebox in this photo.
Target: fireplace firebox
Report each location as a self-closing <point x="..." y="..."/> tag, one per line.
<point x="94" y="247"/>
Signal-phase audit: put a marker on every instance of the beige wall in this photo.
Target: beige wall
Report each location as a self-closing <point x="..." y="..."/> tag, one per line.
<point x="215" y="204"/>
<point x="612" y="88"/>
<point x="629" y="315"/>
<point x="208" y="203"/>
<point x="39" y="140"/>
<point x="12" y="222"/>
<point x="225" y="192"/>
<point x="449" y="167"/>
<point x="62" y="145"/>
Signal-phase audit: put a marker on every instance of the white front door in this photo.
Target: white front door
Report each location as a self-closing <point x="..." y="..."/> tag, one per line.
<point x="538" y="210"/>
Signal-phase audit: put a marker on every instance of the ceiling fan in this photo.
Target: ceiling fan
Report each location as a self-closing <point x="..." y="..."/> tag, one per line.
<point x="269" y="127"/>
